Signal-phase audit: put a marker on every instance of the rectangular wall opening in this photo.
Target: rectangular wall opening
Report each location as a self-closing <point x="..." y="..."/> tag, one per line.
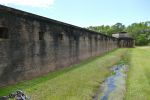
<point x="4" y="33"/>
<point x="61" y="37"/>
<point x="41" y="35"/>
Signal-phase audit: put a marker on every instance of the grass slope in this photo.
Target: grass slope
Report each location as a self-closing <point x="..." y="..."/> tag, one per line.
<point x="138" y="81"/>
<point x="78" y="82"/>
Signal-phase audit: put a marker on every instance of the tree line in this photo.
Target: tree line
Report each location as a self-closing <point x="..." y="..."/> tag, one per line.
<point x="139" y="31"/>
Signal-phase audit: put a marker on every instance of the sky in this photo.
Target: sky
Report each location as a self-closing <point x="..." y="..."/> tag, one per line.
<point x="86" y="13"/>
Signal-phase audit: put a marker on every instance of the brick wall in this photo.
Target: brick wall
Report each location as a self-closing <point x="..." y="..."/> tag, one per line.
<point x="38" y="45"/>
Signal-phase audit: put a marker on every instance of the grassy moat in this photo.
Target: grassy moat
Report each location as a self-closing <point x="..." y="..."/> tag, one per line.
<point x="81" y="81"/>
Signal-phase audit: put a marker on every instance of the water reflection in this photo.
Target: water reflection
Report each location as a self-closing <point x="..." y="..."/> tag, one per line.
<point x="113" y="88"/>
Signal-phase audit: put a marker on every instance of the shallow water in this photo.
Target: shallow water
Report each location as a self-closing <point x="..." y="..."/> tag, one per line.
<point x="113" y="87"/>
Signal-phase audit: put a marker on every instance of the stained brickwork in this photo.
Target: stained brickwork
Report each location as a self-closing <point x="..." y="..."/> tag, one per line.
<point x="37" y="45"/>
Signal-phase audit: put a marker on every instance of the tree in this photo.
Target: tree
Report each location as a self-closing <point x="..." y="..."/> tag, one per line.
<point x="139" y="31"/>
<point x="108" y="30"/>
<point x="118" y="27"/>
<point x="141" y="40"/>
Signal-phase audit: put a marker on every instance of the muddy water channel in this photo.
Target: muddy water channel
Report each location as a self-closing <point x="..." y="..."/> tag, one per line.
<point x="114" y="87"/>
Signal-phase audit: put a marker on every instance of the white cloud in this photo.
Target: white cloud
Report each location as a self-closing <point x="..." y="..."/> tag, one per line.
<point x="33" y="3"/>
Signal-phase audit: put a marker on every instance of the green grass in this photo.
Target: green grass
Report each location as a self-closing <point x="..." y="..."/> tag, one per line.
<point x="138" y="81"/>
<point x="78" y="82"/>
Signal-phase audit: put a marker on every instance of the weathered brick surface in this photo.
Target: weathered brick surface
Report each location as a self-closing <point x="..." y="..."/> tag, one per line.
<point x="24" y="56"/>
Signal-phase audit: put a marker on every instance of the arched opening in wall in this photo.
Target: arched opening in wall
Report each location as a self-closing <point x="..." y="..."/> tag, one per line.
<point x="41" y="35"/>
<point x="4" y="33"/>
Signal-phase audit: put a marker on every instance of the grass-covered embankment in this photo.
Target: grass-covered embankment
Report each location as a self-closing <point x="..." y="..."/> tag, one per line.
<point x="138" y="81"/>
<point x="78" y="82"/>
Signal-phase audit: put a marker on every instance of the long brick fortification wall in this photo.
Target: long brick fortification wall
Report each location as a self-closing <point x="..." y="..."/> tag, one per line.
<point x="31" y="45"/>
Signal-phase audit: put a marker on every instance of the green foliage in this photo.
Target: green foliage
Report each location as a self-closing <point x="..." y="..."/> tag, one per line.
<point x="102" y="29"/>
<point x="139" y="31"/>
<point x="118" y="27"/>
<point x="141" y="39"/>
<point x="108" y="30"/>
